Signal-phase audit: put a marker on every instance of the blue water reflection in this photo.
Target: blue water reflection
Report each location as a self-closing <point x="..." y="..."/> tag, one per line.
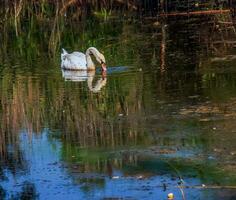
<point x="54" y="179"/>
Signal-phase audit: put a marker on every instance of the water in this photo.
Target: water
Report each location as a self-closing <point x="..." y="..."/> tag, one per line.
<point x="161" y="121"/>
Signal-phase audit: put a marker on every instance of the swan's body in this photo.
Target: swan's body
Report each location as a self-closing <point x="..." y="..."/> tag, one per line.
<point x="81" y="61"/>
<point x="82" y="75"/>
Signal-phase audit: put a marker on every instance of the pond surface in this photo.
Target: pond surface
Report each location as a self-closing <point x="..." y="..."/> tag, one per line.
<point x="163" y="119"/>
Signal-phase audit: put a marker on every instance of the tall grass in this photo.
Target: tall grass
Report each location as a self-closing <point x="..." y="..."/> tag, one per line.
<point x="72" y="8"/>
<point x="77" y="8"/>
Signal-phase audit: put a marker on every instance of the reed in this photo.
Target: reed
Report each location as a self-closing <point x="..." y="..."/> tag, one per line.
<point x="46" y="8"/>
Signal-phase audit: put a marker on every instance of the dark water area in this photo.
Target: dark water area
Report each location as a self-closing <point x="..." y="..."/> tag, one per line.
<point x="163" y="119"/>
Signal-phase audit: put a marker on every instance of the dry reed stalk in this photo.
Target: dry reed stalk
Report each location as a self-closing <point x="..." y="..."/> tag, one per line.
<point x="163" y="49"/>
<point x="68" y="4"/>
<point x="55" y="34"/>
<point x="17" y="10"/>
<point x="204" y="12"/>
<point x="209" y="187"/>
<point x="130" y="5"/>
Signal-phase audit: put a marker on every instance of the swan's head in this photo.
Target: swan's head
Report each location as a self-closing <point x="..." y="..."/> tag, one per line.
<point x="102" y="61"/>
<point x="99" y="56"/>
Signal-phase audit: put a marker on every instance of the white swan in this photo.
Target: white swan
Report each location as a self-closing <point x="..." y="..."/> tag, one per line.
<point x="79" y="76"/>
<point x="81" y="61"/>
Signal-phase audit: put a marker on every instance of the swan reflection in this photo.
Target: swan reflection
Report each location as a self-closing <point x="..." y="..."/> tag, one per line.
<point x="79" y="76"/>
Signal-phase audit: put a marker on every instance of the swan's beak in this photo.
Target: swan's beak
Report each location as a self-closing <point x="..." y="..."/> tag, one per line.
<point x="104" y="75"/>
<point x="104" y="67"/>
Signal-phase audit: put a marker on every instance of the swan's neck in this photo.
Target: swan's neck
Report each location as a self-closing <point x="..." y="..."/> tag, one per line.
<point x="90" y="64"/>
<point x="91" y="51"/>
<point x="90" y="82"/>
<point x="98" y="85"/>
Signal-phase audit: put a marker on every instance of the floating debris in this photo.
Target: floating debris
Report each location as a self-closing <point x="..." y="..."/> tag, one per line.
<point x="170" y="196"/>
<point x="115" y="177"/>
<point x="157" y="23"/>
<point x="140" y="177"/>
